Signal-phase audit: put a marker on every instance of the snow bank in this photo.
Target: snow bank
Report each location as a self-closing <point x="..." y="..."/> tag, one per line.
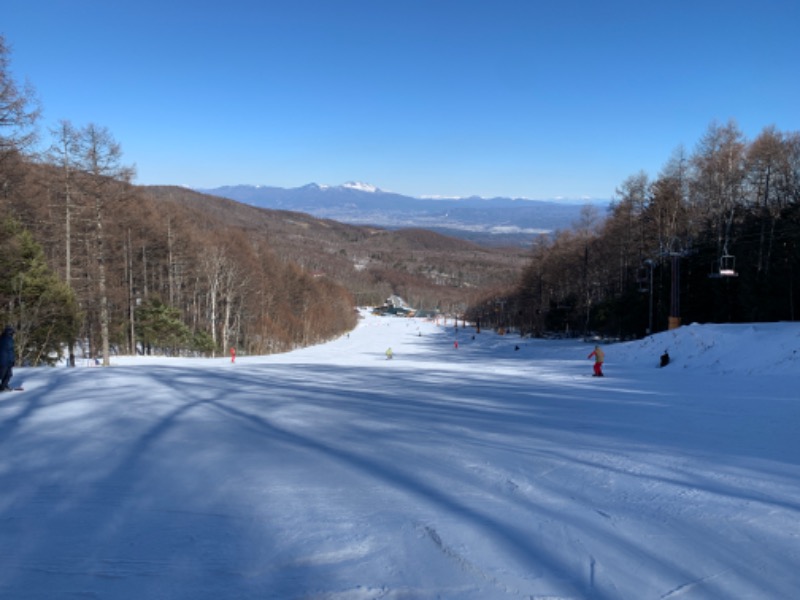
<point x="750" y="348"/>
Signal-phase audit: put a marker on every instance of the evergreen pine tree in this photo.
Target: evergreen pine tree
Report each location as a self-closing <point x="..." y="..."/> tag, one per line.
<point x="41" y="308"/>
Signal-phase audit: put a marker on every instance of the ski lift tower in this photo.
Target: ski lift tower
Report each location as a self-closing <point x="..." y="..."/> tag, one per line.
<point x="644" y="278"/>
<point x="675" y="292"/>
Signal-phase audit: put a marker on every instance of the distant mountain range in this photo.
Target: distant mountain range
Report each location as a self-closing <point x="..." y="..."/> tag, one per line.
<point x="488" y="221"/>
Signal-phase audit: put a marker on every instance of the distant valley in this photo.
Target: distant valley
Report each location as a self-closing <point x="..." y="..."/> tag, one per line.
<point x="428" y="269"/>
<point x="486" y="221"/>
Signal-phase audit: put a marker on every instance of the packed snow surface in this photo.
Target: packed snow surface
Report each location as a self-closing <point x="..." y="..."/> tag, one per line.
<point x="476" y="472"/>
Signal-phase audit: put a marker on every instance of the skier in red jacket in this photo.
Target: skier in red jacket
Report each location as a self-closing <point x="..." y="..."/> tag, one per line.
<point x="599" y="357"/>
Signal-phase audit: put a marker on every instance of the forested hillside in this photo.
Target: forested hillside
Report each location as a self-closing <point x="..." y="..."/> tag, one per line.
<point x="156" y="276"/>
<point x="715" y="237"/>
<point x="429" y="270"/>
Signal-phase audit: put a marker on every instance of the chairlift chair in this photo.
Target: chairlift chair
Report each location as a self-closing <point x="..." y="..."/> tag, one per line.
<point x="726" y="267"/>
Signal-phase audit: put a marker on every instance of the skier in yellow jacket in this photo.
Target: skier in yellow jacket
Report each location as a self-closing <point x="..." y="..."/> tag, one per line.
<point x="599" y="357"/>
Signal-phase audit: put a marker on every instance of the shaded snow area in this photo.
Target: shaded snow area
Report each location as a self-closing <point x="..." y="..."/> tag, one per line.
<point x="477" y="472"/>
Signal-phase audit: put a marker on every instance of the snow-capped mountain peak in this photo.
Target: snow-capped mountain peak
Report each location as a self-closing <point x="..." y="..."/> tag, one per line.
<point x="361" y="187"/>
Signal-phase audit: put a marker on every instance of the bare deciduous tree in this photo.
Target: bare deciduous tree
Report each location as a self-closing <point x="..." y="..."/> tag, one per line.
<point x="19" y="108"/>
<point x="100" y="158"/>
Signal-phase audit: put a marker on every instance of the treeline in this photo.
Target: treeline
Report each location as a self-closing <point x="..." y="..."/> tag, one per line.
<point x="714" y="238"/>
<point x="92" y="263"/>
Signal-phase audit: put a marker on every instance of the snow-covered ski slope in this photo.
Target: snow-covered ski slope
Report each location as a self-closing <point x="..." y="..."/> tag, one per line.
<point x="482" y="472"/>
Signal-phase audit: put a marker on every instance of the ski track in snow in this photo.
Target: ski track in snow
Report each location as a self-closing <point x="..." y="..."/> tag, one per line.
<point x="480" y="472"/>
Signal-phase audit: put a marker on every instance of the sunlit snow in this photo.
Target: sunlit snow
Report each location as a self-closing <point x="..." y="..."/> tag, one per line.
<point x="479" y="472"/>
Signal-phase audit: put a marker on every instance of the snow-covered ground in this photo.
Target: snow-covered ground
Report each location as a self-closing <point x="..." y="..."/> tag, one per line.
<point x="478" y="472"/>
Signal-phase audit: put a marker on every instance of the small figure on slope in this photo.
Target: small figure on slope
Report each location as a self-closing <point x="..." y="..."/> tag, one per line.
<point x="389" y="354"/>
<point x="7" y="358"/>
<point x="599" y="357"/>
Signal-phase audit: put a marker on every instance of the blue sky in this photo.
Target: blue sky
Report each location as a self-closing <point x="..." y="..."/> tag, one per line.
<point x="422" y="97"/>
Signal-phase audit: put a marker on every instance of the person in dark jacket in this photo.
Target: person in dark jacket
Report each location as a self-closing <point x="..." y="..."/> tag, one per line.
<point x="7" y="358"/>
